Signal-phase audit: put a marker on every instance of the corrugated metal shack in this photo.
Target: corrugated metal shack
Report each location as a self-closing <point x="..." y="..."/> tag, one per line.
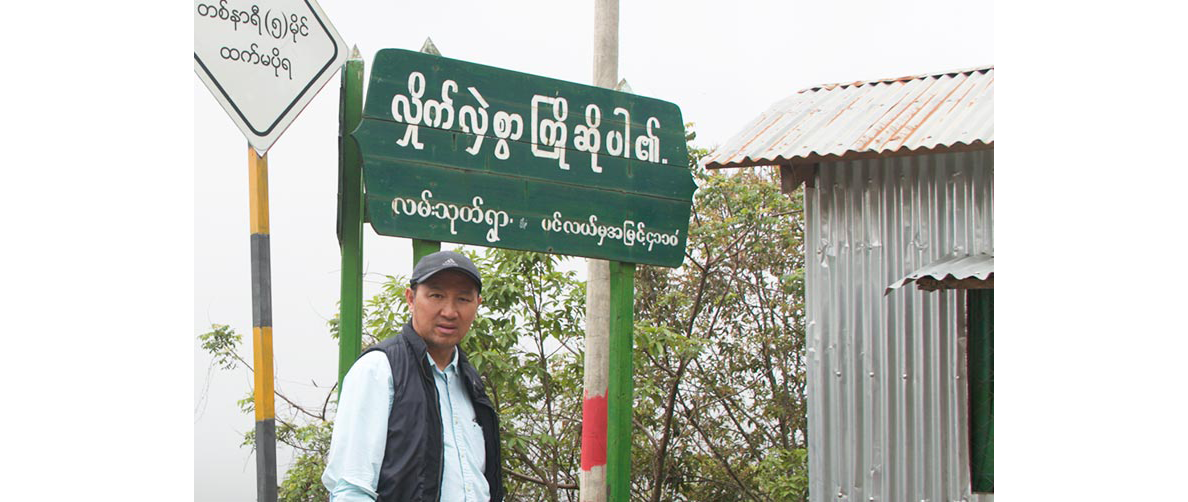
<point x="899" y="189"/>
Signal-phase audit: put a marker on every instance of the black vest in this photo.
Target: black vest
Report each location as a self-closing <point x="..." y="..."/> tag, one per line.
<point x="412" y="466"/>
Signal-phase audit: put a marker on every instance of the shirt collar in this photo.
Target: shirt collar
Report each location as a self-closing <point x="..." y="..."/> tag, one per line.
<point x="451" y="368"/>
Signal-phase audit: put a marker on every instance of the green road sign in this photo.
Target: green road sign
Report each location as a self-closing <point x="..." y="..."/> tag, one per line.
<point x="461" y="152"/>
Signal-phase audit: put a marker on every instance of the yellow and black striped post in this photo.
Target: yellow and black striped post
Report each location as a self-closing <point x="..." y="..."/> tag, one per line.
<point x="262" y="329"/>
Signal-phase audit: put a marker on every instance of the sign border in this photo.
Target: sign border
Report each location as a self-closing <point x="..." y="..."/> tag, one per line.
<point x="301" y="94"/>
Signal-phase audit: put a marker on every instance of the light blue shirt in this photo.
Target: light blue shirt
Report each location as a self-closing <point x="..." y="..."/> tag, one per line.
<point x="361" y="427"/>
<point x="464" y="455"/>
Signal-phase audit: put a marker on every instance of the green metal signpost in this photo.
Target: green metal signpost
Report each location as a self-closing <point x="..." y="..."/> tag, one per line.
<point x="350" y="217"/>
<point x="462" y="152"/>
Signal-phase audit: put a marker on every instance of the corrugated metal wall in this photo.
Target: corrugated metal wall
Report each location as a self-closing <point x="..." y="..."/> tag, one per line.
<point x="888" y="408"/>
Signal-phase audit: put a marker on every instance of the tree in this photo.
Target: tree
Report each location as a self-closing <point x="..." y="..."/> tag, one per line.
<point x="720" y="408"/>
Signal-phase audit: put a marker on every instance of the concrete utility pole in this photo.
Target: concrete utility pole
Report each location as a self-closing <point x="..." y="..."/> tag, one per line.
<point x="592" y="478"/>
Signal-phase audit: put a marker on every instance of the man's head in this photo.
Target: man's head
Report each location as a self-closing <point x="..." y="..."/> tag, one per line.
<point x="443" y="297"/>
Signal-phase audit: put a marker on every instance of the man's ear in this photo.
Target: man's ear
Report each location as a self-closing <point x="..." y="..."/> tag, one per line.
<point x="408" y="295"/>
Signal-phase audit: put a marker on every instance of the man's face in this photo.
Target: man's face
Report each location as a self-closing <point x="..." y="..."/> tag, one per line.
<point x="443" y="308"/>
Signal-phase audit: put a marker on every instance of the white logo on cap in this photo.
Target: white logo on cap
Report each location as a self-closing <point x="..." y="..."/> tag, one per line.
<point x="450" y="262"/>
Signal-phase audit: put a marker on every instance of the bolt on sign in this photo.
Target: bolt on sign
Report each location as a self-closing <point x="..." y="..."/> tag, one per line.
<point x="461" y="152"/>
<point x="264" y="60"/>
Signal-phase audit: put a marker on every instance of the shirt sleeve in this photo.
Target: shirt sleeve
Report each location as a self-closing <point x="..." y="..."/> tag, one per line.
<point x="360" y="430"/>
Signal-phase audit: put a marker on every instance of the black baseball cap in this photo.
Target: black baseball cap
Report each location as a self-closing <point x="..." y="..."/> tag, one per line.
<point x="445" y="260"/>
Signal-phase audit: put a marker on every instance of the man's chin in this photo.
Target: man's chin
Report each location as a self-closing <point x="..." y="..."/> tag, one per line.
<point x="445" y="340"/>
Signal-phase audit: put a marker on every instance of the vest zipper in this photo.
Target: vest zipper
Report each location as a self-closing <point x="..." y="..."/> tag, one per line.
<point x="437" y="403"/>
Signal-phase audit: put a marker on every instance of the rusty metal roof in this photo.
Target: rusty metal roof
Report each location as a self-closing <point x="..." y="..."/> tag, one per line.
<point x="871" y="118"/>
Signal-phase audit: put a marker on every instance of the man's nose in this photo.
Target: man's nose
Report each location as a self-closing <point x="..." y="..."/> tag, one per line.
<point x="449" y="310"/>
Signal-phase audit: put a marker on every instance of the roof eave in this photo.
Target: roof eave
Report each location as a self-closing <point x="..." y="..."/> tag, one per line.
<point x="814" y="158"/>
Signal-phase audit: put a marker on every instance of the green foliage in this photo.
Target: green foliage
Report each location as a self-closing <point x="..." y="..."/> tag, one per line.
<point x="221" y="342"/>
<point x="783" y="474"/>
<point x="720" y="408"/>
<point x="527" y="344"/>
<point x="247" y="404"/>
<point x="383" y="314"/>
<point x="303" y="481"/>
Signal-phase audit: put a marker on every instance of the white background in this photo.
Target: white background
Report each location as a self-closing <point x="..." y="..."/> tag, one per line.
<point x="124" y="203"/>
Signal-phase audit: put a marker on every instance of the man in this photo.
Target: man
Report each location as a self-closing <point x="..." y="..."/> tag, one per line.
<point x="414" y="423"/>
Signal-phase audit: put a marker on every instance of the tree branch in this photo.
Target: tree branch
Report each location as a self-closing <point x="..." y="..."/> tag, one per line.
<point x="714" y="451"/>
<point x="326" y="403"/>
<point x="536" y="480"/>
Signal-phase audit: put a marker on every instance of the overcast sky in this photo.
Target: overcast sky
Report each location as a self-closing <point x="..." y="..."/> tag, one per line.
<point x="722" y="63"/>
